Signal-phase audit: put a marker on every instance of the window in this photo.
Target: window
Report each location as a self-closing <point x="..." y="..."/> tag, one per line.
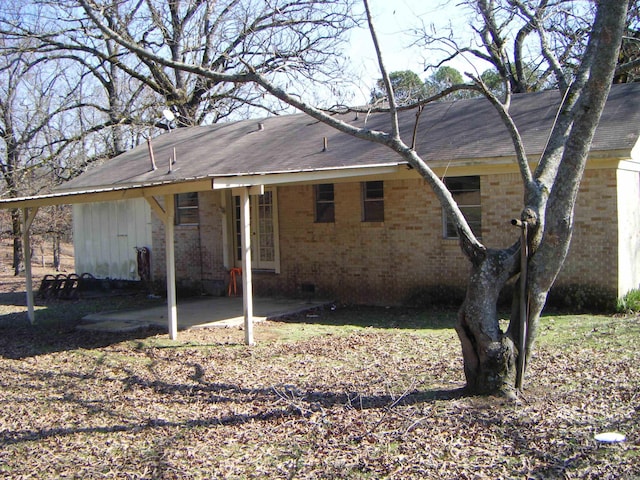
<point x="373" y="201"/>
<point x="187" y="209"/>
<point x="466" y="193"/>
<point x="325" y="206"/>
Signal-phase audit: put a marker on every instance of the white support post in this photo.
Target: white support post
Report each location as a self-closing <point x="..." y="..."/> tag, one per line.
<point x="27" y="217"/>
<point x="247" y="288"/>
<point x="172" y="314"/>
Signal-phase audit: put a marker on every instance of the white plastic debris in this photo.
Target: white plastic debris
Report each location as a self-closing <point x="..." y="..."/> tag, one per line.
<point x="610" y="437"/>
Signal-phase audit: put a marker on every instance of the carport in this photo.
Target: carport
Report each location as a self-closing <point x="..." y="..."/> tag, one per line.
<point x="300" y="152"/>
<point x="165" y="212"/>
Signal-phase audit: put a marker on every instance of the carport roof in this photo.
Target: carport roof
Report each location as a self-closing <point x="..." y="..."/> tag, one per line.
<point x="458" y="132"/>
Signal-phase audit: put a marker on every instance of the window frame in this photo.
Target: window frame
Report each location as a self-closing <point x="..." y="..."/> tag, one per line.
<point x="372" y="206"/>
<point x="193" y="208"/>
<point x="448" y="229"/>
<point x="325" y="209"/>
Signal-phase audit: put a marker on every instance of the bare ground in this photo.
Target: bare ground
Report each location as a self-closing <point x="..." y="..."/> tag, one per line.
<point x="350" y="393"/>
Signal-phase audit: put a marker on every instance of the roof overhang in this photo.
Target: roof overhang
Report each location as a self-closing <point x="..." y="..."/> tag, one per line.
<point x="131" y="191"/>
<point x="612" y="159"/>
<point x="106" y="194"/>
<point x="311" y="176"/>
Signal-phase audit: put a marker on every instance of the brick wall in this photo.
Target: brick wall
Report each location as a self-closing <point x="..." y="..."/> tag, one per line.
<point x="198" y="248"/>
<point x="365" y="262"/>
<point x="593" y="256"/>
<point x="382" y="263"/>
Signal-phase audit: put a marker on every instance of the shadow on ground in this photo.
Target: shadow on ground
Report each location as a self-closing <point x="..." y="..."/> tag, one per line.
<point x="23" y="340"/>
<point x="378" y="317"/>
<point x="273" y="403"/>
<point x="56" y="321"/>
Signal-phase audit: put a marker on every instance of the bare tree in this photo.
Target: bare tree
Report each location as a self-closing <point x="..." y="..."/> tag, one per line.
<point x="112" y="106"/>
<point x="583" y="69"/>
<point x="628" y="69"/>
<point x="32" y="100"/>
<point x="112" y="97"/>
<point x="299" y="39"/>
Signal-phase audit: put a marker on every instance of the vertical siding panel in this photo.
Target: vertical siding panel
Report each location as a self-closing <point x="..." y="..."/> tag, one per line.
<point x="101" y="247"/>
<point x="79" y="239"/>
<point x="122" y="265"/>
<point x="110" y="238"/>
<point x="105" y="235"/>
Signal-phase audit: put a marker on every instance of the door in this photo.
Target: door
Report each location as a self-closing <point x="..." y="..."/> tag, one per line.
<point x="264" y="231"/>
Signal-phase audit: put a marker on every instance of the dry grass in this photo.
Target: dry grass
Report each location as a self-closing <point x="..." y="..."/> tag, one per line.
<point x="351" y="393"/>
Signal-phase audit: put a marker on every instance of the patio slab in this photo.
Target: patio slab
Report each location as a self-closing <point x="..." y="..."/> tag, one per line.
<point x="210" y="312"/>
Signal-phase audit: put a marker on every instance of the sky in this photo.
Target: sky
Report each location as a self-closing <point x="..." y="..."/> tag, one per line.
<point x="392" y="20"/>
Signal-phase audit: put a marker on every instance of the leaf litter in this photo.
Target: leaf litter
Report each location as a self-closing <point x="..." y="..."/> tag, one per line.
<point x="366" y="403"/>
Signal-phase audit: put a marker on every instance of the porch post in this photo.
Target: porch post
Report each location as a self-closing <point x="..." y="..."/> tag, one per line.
<point x="247" y="288"/>
<point x="27" y="218"/>
<point x="172" y="313"/>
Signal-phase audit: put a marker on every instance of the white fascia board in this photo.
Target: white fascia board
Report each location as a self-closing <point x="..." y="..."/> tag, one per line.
<point x="235" y="181"/>
<point x="106" y="194"/>
<point x="629" y="165"/>
<point x="635" y="151"/>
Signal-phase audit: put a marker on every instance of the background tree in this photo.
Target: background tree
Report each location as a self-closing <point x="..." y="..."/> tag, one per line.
<point x="494" y="83"/>
<point x="445" y="83"/>
<point x="447" y="77"/>
<point x="408" y="88"/>
<point x="628" y="69"/>
<point x="34" y="97"/>
<point x="299" y="39"/>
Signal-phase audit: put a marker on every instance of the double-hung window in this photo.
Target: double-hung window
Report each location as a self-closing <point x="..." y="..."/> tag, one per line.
<point x="466" y="193"/>
<point x="325" y="205"/>
<point x="373" y="201"/>
<point x="187" y="209"/>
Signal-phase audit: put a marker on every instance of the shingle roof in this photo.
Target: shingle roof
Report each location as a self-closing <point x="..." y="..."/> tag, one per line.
<point x="458" y="131"/>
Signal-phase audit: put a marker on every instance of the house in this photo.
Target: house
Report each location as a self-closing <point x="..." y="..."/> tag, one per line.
<point x="337" y="217"/>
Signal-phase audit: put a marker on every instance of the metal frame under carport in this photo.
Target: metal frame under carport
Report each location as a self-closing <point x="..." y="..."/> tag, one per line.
<point x="166" y="213"/>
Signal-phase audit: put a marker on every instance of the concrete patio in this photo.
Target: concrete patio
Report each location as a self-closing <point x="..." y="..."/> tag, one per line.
<point x="210" y="312"/>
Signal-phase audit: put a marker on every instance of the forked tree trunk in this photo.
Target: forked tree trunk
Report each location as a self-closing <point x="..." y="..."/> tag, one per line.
<point x="489" y="353"/>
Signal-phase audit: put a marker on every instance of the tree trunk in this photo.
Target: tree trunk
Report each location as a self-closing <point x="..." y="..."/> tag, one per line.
<point x="56" y="252"/>
<point x="489" y="353"/>
<point x="16" y="230"/>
